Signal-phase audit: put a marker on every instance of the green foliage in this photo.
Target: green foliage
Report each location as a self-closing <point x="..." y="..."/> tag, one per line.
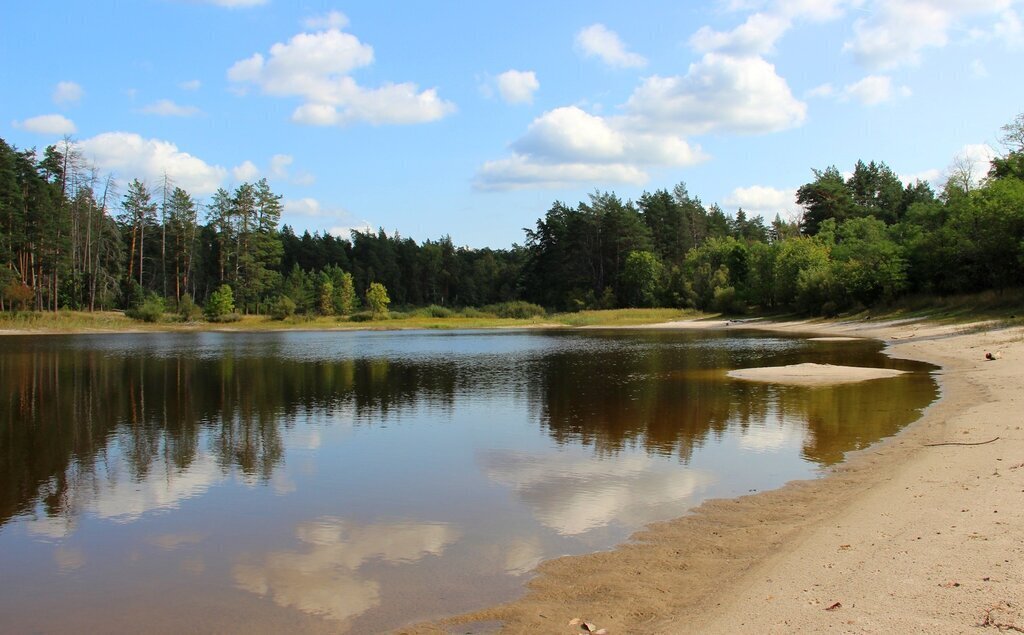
<point x="188" y="310"/>
<point x="362" y="316"/>
<point x="282" y="308"/>
<point x="377" y="299"/>
<point x="518" y="310"/>
<point x="220" y="305"/>
<point x="642" y="279"/>
<point x="324" y="295"/>
<point x="150" y="310"/>
<point x="438" y="311"/>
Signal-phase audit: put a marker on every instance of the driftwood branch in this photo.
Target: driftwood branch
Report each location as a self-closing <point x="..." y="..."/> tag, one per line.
<point x="932" y="445"/>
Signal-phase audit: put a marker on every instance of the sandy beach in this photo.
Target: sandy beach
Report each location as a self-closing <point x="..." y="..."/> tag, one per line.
<point x="923" y="532"/>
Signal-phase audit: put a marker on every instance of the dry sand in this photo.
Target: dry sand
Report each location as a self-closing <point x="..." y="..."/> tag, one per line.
<point x="812" y="374"/>
<point x="906" y="536"/>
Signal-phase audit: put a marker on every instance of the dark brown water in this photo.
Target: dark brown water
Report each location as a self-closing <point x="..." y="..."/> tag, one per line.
<point x="360" y="481"/>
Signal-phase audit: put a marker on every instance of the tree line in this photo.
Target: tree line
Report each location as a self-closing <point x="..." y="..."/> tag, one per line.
<point x="68" y="239"/>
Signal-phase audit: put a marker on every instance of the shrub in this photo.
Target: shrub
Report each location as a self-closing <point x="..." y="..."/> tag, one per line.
<point x="221" y="303"/>
<point x="436" y="311"/>
<point x="362" y="316"/>
<point x="18" y="294"/>
<point x="518" y="309"/>
<point x="149" y="311"/>
<point x="188" y="310"/>
<point x="473" y="312"/>
<point x="398" y="315"/>
<point x="283" y="308"/>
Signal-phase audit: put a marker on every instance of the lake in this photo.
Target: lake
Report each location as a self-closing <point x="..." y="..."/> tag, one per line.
<point x="359" y="481"/>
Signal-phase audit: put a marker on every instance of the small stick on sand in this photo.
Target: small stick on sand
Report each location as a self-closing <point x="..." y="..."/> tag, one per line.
<point x="932" y="445"/>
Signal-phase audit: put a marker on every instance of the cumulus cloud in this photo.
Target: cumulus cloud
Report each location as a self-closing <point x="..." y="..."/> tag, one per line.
<point x="598" y="41"/>
<point x="873" y="90"/>
<point x="568" y="145"/>
<point x="756" y="36"/>
<point x="245" y="172"/>
<point x="761" y="200"/>
<point x="47" y="124"/>
<point x="339" y="221"/>
<point x="718" y="93"/>
<point x="896" y="32"/>
<point x="67" y="93"/>
<point x="517" y="87"/>
<point x="279" y="164"/>
<point x="317" y="67"/>
<point x="133" y="156"/>
<point x="167" y="108"/>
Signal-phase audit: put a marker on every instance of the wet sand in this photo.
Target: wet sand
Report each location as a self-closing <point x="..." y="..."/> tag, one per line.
<point x="921" y="532"/>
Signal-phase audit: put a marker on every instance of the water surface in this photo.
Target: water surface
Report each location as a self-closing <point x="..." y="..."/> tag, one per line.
<point x="335" y="481"/>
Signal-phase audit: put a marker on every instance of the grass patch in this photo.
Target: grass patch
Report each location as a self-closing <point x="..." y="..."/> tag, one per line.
<point x="624" y="317"/>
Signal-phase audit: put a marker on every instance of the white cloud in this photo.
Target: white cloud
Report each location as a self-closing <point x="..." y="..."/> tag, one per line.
<point x="192" y="84"/>
<point x="339" y="220"/>
<point x="330" y="20"/>
<point x="972" y="161"/>
<point x="279" y="164"/>
<point x="521" y="172"/>
<point x="47" y="124"/>
<point x="763" y="201"/>
<point x="245" y="172"/>
<point x="896" y="32"/>
<point x="718" y="93"/>
<point x="67" y="93"/>
<point x="824" y="90"/>
<point x="567" y="145"/>
<point x="979" y="70"/>
<point x="756" y="36"/>
<point x="307" y="206"/>
<point x="598" y="41"/>
<point x="132" y="156"/>
<point x="933" y="175"/>
<point x="517" y="87"/>
<point x="873" y="90"/>
<point x="167" y="108"/>
<point x="317" y="67"/>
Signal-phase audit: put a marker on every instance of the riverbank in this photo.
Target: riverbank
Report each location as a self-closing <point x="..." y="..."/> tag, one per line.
<point x="920" y="532"/>
<point x="73" y="322"/>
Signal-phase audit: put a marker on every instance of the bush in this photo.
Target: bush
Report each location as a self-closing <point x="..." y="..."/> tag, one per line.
<point x="519" y="309"/>
<point x="398" y="315"/>
<point x="221" y="303"/>
<point x="283" y="308"/>
<point x="149" y="311"/>
<point x="362" y="316"/>
<point x="436" y="311"/>
<point x="188" y="310"/>
<point x="473" y="312"/>
<point x="18" y="294"/>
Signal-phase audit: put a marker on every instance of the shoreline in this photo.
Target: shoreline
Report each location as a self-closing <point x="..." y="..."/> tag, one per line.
<point x="901" y="536"/>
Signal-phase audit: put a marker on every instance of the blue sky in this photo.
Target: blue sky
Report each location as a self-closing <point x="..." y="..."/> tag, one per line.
<point x="470" y="119"/>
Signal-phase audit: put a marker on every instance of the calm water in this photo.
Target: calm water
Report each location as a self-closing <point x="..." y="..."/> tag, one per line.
<point x="360" y="481"/>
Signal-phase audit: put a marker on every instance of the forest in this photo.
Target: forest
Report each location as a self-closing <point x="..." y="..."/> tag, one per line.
<point x="70" y="240"/>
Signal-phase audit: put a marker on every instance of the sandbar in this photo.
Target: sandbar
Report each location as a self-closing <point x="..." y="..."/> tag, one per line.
<point x="810" y="374"/>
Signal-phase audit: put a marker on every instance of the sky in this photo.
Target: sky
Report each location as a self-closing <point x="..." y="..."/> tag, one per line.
<point x="470" y="119"/>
